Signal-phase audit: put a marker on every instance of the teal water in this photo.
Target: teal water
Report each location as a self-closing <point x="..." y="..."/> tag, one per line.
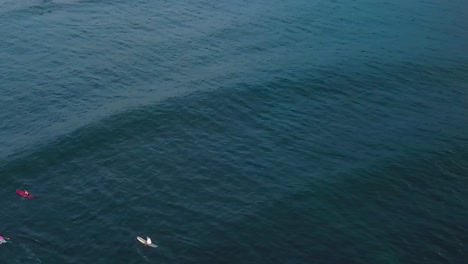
<point x="234" y="131"/>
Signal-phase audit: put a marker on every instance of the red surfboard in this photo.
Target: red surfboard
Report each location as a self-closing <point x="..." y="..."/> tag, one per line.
<point x="21" y="193"/>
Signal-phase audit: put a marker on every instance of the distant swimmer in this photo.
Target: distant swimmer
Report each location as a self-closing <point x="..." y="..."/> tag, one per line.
<point x="4" y="239"/>
<point x="146" y="242"/>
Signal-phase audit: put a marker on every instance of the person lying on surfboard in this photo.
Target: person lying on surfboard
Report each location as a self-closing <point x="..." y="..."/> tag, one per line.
<point x="26" y="193"/>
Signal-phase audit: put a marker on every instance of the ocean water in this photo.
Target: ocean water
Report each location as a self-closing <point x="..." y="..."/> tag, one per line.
<point x="234" y="131"/>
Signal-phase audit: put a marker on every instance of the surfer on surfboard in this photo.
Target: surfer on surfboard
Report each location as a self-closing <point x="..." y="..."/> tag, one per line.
<point x="24" y="193"/>
<point x="3" y="239"/>
<point x="146" y="242"/>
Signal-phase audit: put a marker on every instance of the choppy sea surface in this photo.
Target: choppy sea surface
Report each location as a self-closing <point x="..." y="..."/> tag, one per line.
<point x="234" y="131"/>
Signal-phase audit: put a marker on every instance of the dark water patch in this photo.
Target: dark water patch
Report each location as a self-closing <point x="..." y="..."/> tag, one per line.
<point x="371" y="215"/>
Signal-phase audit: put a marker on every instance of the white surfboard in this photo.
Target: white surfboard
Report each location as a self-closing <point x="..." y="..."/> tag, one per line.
<point x="143" y="241"/>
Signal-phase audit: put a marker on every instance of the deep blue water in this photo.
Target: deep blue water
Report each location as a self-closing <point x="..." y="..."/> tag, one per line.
<point x="234" y="131"/>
